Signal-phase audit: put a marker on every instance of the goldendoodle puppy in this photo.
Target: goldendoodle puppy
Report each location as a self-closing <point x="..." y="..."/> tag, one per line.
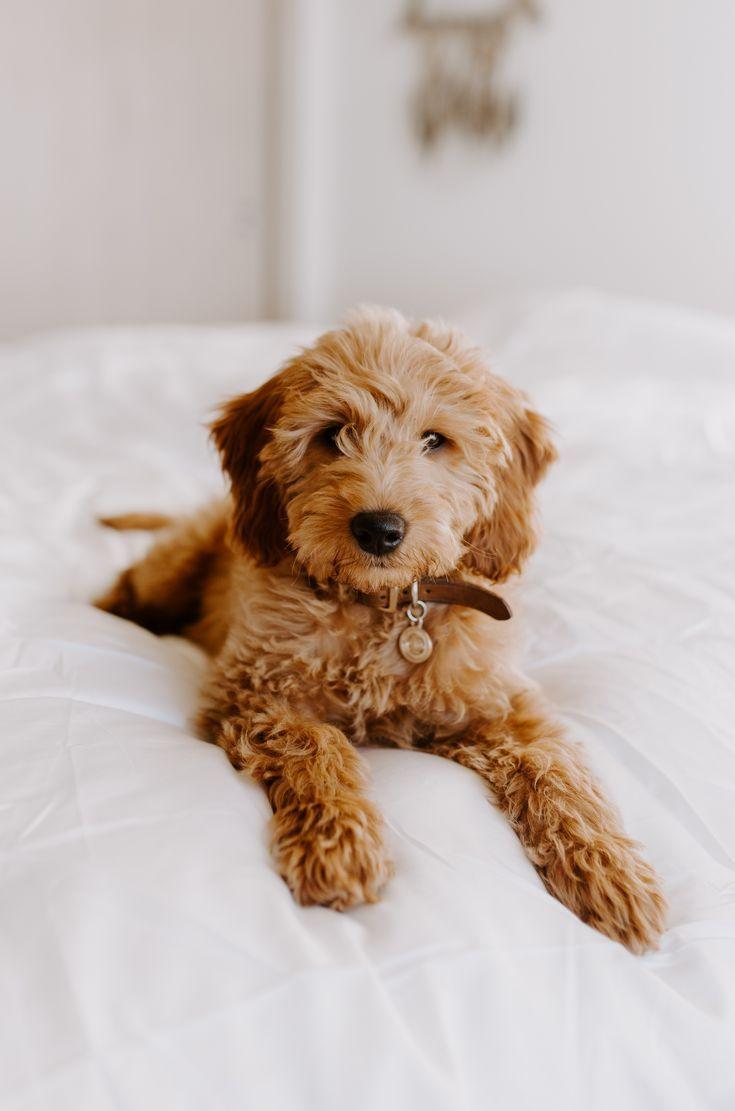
<point x="381" y="483"/>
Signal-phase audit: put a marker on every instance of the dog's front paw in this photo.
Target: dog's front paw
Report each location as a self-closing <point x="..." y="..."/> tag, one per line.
<point x="331" y="855"/>
<point x="609" y="886"/>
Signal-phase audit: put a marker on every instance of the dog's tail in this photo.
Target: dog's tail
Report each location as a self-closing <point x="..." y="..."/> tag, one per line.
<point x="144" y="521"/>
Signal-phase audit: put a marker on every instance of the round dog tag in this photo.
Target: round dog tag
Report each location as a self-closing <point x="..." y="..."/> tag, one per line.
<point x="415" y="644"/>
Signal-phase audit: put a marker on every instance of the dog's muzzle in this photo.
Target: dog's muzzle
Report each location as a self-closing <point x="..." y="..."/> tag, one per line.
<point x="378" y="532"/>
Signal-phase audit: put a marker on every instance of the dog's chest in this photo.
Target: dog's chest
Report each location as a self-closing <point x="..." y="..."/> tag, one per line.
<point x="341" y="662"/>
<point x="362" y="678"/>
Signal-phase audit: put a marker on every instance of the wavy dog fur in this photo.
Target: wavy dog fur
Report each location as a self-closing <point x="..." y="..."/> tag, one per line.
<point x="301" y="674"/>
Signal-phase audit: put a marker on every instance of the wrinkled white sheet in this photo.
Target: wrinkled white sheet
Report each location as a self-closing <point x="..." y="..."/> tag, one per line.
<point x="150" y="957"/>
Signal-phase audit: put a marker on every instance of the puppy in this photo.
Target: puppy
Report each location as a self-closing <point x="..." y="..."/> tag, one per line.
<point x="382" y="488"/>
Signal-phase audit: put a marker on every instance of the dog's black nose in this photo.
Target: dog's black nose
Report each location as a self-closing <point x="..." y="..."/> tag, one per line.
<point x="379" y="532"/>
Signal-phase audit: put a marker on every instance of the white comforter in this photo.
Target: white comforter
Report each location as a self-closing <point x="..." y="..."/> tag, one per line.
<point x="150" y="958"/>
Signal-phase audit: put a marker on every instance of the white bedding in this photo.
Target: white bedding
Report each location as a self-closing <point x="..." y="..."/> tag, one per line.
<point x="149" y="955"/>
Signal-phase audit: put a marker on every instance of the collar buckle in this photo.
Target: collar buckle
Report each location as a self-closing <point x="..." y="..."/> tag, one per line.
<point x="392" y="604"/>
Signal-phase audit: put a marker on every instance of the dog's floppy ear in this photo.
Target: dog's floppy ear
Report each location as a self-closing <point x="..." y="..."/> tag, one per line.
<point x="241" y="432"/>
<point x="500" y="543"/>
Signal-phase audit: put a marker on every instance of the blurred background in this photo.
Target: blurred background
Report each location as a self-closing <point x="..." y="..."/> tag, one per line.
<point x="182" y="161"/>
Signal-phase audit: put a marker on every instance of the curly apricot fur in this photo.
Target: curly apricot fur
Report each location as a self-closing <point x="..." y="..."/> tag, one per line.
<point x="301" y="674"/>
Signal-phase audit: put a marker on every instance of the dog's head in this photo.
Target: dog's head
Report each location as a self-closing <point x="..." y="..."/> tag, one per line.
<point x="385" y="453"/>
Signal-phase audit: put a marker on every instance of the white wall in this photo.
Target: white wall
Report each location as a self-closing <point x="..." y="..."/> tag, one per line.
<point x="136" y="136"/>
<point x="622" y="174"/>
<point x="130" y="161"/>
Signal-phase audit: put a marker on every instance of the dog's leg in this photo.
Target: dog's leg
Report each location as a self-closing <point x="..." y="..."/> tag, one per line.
<point x="570" y="832"/>
<point x="326" y="835"/>
<point x="164" y="590"/>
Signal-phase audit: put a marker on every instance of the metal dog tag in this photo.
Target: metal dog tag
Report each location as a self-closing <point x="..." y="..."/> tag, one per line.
<point x="414" y="643"/>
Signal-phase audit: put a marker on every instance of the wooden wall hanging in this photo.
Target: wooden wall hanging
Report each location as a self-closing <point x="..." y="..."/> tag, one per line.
<point x="458" y="87"/>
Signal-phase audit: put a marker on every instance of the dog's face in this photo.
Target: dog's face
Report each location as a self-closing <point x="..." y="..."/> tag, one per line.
<point x="383" y="454"/>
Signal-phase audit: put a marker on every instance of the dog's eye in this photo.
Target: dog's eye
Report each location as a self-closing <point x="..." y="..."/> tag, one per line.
<point x="328" y="436"/>
<point x="431" y="440"/>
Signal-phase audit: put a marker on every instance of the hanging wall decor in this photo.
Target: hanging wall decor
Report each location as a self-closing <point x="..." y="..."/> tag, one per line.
<point x="459" y="85"/>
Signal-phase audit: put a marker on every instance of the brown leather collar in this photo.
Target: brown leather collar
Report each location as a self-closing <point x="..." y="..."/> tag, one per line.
<point x="444" y="591"/>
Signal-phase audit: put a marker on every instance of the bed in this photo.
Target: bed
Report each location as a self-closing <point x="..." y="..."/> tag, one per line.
<point x="150" y="957"/>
